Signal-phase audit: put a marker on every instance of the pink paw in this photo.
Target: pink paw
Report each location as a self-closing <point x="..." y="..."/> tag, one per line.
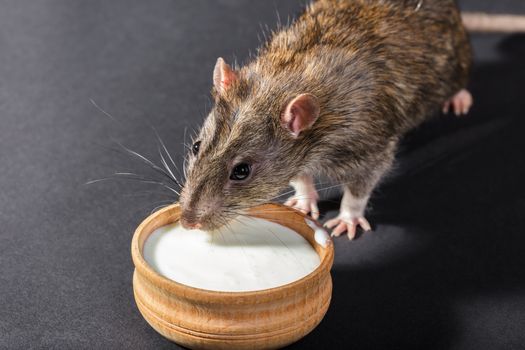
<point x="349" y="225"/>
<point x="307" y="205"/>
<point x="460" y="103"/>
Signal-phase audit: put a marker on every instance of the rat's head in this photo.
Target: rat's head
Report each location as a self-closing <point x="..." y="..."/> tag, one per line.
<point x="245" y="153"/>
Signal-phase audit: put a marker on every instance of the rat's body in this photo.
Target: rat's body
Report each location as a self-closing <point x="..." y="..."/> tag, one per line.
<point x="331" y="94"/>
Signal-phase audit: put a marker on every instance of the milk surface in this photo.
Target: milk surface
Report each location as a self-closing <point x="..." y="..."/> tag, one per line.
<point x="251" y="254"/>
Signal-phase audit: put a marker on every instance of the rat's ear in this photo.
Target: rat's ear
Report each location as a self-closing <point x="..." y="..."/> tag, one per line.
<point x="300" y="114"/>
<point x="223" y="76"/>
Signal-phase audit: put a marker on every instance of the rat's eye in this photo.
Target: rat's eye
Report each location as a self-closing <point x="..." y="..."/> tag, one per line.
<point x="195" y="148"/>
<point x="240" y="172"/>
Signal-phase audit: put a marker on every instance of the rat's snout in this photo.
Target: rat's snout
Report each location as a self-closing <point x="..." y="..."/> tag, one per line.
<point x="189" y="220"/>
<point x="190" y="224"/>
<point x="200" y="215"/>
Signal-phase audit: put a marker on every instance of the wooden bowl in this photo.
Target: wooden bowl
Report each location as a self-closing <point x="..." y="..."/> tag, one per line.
<point x="206" y="319"/>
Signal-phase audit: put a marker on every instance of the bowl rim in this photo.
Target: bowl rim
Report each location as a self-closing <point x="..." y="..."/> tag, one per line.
<point x="200" y="294"/>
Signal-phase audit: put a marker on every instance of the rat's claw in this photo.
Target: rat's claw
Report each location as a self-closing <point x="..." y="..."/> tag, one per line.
<point x="314" y="210"/>
<point x="365" y="225"/>
<point x="291" y="202"/>
<point x="306" y="205"/>
<point x="305" y="198"/>
<point x="446" y="107"/>
<point x="349" y="225"/>
<point x="332" y="222"/>
<point x="460" y="102"/>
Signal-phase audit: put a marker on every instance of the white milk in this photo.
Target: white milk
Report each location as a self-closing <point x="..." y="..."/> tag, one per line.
<point x="251" y="254"/>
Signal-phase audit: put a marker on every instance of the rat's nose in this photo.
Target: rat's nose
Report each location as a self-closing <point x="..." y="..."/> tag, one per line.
<point x="192" y="226"/>
<point x="189" y="221"/>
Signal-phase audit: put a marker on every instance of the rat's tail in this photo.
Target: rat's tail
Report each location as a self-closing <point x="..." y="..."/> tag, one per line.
<point x="492" y="23"/>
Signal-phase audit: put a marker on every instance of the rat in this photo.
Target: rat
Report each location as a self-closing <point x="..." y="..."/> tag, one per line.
<point x="330" y="94"/>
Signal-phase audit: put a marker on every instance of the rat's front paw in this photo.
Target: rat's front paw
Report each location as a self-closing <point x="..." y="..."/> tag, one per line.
<point x="460" y="103"/>
<point x="344" y="223"/>
<point x="306" y="204"/>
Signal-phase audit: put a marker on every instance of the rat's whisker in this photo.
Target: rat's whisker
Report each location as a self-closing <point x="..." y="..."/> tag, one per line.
<point x="102" y="111"/>
<point x="159" y="207"/>
<point x="278" y="197"/>
<point x="282" y="195"/>
<point x="168" y="154"/>
<point x="293" y="190"/>
<point x="146" y="161"/>
<point x="126" y="176"/>
<point x="330" y="187"/>
<point x="281" y="220"/>
<point x="157" y="204"/>
<point x="184" y="166"/>
<point x="133" y="177"/>
<point x="146" y="193"/>
<point x="168" y="169"/>
<point x="185" y="151"/>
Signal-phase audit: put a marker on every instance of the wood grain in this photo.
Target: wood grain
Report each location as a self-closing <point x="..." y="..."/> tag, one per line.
<point x="204" y="319"/>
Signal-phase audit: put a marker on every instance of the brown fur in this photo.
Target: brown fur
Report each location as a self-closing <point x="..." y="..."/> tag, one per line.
<point x="378" y="69"/>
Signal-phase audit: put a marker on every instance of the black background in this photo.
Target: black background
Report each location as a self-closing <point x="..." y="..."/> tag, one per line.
<point x="444" y="267"/>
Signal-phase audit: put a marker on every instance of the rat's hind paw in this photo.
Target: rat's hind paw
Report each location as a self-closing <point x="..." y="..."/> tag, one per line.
<point x="343" y="224"/>
<point x="460" y="103"/>
<point x="307" y="205"/>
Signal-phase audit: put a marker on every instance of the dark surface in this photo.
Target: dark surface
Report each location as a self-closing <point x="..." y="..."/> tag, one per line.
<point x="443" y="269"/>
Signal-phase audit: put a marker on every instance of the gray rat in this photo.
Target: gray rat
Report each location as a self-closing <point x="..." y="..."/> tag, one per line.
<point x="330" y="94"/>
